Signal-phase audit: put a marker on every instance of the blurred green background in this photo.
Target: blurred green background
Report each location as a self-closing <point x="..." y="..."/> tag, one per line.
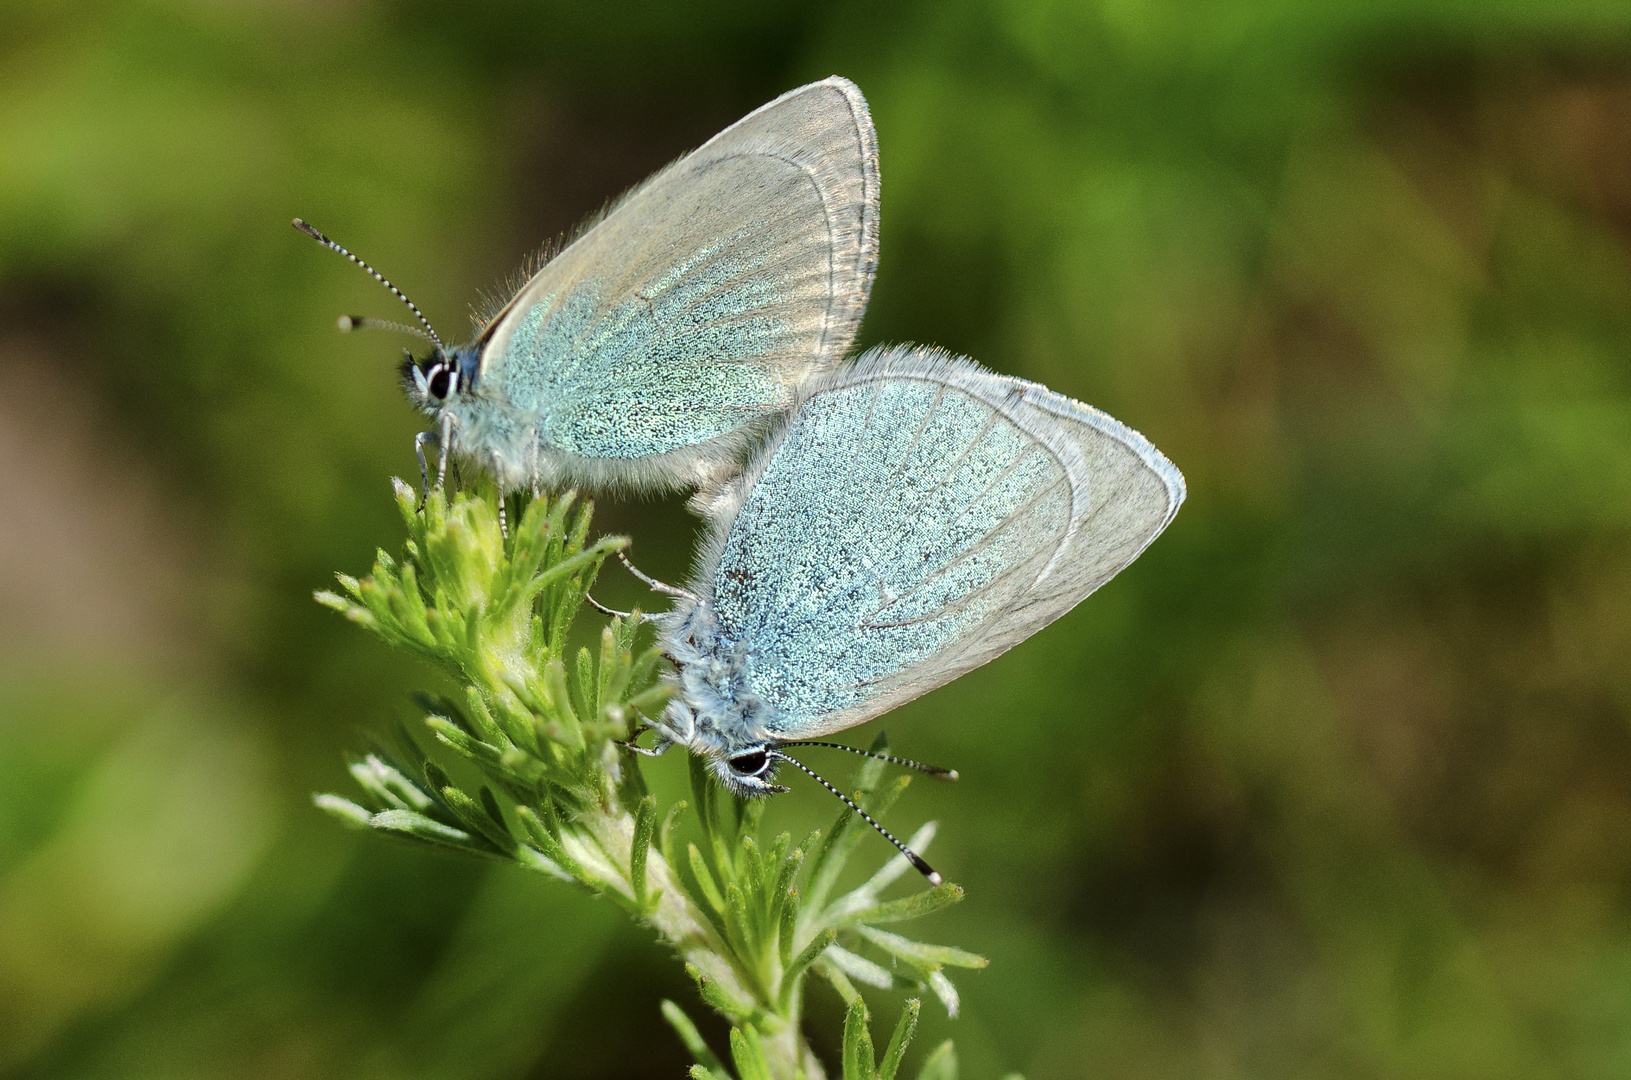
<point x="1334" y="782"/>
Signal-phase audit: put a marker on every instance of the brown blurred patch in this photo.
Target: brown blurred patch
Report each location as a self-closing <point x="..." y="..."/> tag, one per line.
<point x="1558" y="125"/>
<point x="1567" y="132"/>
<point x="92" y="560"/>
<point x="580" y="152"/>
<point x="1501" y="757"/>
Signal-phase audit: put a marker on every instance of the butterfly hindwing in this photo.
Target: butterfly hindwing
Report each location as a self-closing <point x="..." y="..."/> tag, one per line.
<point x="915" y="518"/>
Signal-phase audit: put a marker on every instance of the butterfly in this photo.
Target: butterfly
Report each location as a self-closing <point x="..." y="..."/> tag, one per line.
<point x="915" y="517"/>
<point x="652" y="348"/>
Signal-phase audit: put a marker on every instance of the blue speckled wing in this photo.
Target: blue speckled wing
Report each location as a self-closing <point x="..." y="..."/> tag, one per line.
<point x="917" y="517"/>
<point x="646" y="349"/>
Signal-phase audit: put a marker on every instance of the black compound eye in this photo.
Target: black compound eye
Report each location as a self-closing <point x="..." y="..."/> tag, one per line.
<point x="751" y="763"/>
<point x="439" y="381"/>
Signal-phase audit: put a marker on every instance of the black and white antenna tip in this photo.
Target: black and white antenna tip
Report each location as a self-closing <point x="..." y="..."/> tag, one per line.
<point x="911" y="856"/>
<point x="933" y="771"/>
<point x="429" y="332"/>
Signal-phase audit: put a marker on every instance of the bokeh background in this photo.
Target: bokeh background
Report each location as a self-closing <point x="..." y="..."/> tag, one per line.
<point x="1334" y="782"/>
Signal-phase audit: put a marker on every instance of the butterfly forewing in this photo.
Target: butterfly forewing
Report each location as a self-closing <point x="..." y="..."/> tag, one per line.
<point x="917" y="517"/>
<point x="707" y="296"/>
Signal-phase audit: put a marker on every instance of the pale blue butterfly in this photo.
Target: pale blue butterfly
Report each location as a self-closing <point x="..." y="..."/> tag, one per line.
<point x="648" y="353"/>
<point x="915" y="517"/>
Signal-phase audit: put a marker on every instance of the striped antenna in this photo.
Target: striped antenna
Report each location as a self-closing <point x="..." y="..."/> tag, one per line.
<point x="911" y="856"/>
<point x="376" y="275"/>
<point x="348" y="323"/>
<point x="931" y="770"/>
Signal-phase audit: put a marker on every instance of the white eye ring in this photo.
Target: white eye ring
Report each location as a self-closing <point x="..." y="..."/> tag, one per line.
<point x="450" y="379"/>
<point x="756" y="762"/>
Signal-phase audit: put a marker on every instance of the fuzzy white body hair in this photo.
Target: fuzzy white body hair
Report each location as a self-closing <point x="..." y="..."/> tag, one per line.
<point x="506" y="443"/>
<point x="712" y="712"/>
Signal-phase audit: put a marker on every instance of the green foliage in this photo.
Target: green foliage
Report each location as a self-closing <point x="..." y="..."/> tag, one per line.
<point x="562" y="794"/>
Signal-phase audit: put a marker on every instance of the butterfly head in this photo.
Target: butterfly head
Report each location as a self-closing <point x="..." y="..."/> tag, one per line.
<point x="744" y="765"/>
<point x="436" y="381"/>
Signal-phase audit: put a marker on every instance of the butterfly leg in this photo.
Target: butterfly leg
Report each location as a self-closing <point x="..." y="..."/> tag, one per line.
<point x="652" y="583"/>
<point x="446" y="441"/>
<point x="603" y="609"/>
<point x="643" y="616"/>
<point x="503" y="500"/>
<point x="657" y="749"/>
<point x="419" y="442"/>
<point x="532" y="463"/>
